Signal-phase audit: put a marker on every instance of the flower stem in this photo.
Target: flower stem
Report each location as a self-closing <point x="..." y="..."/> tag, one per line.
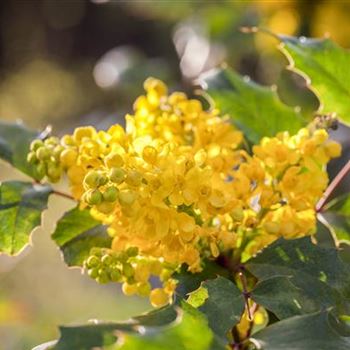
<point x="62" y="194"/>
<point x="246" y="294"/>
<point x="332" y="186"/>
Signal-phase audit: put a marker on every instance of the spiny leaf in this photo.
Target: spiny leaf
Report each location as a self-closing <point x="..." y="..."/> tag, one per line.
<point x="256" y="109"/>
<point x="76" y="233"/>
<point x="318" y="331"/>
<point x="223" y="305"/>
<point x="188" y="282"/>
<point x="15" y="140"/>
<point x="298" y="277"/>
<point x="182" y="328"/>
<point x="189" y="332"/>
<point x="21" y="207"/>
<point x="326" y="64"/>
<point x="337" y="214"/>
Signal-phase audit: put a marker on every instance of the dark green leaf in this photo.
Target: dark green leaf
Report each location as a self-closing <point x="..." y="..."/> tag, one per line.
<point x="188" y="281"/>
<point x="15" y="140"/>
<point x="100" y="334"/>
<point x="299" y="277"/>
<point x="76" y="233"/>
<point x="290" y="296"/>
<point x="221" y="302"/>
<point x="256" y="109"/>
<point x="21" y="207"/>
<point x="326" y="64"/>
<point x="325" y="235"/>
<point x="181" y="328"/>
<point x="318" y="331"/>
<point x="337" y="214"/>
<point x="189" y="332"/>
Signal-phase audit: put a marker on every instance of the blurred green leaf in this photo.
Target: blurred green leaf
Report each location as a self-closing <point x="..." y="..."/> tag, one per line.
<point x="337" y="214"/>
<point x="76" y="233"/>
<point x="189" y="332"/>
<point x="326" y="65"/>
<point x="298" y="277"/>
<point x="182" y="328"/>
<point x="255" y="109"/>
<point x="47" y="346"/>
<point x="15" y="140"/>
<point x="104" y="333"/>
<point x="221" y="302"/>
<point x="318" y="331"/>
<point x="21" y="207"/>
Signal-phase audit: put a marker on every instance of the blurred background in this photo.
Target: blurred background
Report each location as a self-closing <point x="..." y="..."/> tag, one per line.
<point x="77" y="62"/>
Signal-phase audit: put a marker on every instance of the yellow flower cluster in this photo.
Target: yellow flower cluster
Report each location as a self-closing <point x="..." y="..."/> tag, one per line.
<point x="175" y="189"/>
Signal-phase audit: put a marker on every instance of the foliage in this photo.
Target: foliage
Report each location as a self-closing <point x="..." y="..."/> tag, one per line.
<point x="256" y="109"/>
<point x="177" y="207"/>
<point x="76" y="233"/>
<point x="21" y="207"/>
<point x="325" y="64"/>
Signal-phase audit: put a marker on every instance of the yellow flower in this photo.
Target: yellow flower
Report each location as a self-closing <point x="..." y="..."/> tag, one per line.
<point x="175" y="189"/>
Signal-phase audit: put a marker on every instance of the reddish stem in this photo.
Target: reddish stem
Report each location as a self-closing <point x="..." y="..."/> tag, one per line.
<point x="62" y="194"/>
<point x="332" y="186"/>
<point x="246" y="294"/>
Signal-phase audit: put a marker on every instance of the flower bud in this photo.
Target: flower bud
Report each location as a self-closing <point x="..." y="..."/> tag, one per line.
<point x="110" y="194"/>
<point x="117" y="175"/>
<point x="93" y="197"/>
<point x="42" y="153"/>
<point x="36" y="144"/>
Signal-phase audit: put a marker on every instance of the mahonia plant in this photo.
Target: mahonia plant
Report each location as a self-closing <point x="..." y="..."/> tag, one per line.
<point x="178" y="187"/>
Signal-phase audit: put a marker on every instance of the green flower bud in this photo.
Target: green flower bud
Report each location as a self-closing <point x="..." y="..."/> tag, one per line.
<point x="102" y="277"/>
<point x="91" y="179"/>
<point x="93" y="197"/>
<point x="92" y="261"/>
<point x="42" y="153"/>
<point x="111" y="194"/>
<point x="103" y="179"/>
<point x="117" y="175"/>
<point x="41" y="170"/>
<point x="132" y="251"/>
<point x="107" y="259"/>
<point x="36" y="144"/>
<point x="105" y="207"/>
<point x="128" y="270"/>
<point x="53" y="140"/>
<point x="31" y="158"/>
<point x="122" y="256"/>
<point x="54" y="172"/>
<point x="115" y="275"/>
<point x="93" y="273"/>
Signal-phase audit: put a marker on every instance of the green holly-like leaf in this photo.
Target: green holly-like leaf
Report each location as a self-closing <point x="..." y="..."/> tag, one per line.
<point x="181" y="327"/>
<point x="21" y="207"/>
<point x="188" y="282"/>
<point x="318" y="331"/>
<point x="77" y="232"/>
<point x="255" y="109"/>
<point x="15" y="140"/>
<point x="47" y="346"/>
<point x="221" y="302"/>
<point x="188" y="332"/>
<point x="298" y="277"/>
<point x="337" y="214"/>
<point x="326" y="65"/>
